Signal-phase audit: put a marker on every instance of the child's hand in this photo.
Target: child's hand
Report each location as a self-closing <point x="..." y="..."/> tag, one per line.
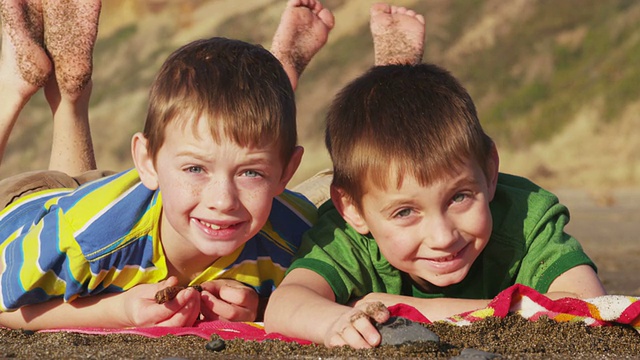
<point x="142" y="310"/>
<point x="355" y="327"/>
<point x="228" y="300"/>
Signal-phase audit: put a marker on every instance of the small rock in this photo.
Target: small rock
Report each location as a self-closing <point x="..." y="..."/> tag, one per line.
<point x="216" y="344"/>
<point x="398" y="330"/>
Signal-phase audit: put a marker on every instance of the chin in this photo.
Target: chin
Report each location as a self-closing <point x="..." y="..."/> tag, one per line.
<point x="445" y="280"/>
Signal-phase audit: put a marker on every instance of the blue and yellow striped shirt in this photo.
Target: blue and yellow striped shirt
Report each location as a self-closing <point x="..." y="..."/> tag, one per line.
<point x="104" y="237"/>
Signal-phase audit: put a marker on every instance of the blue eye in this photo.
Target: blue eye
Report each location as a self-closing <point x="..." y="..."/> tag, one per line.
<point x="194" y="169"/>
<point x="459" y="198"/>
<point x="251" y="173"/>
<point x="403" y="213"/>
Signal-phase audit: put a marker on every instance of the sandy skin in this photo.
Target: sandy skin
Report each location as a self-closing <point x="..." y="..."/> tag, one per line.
<point x="69" y="36"/>
<point x="398" y="34"/>
<point x="49" y="43"/>
<point x="24" y="64"/>
<point x="304" y="29"/>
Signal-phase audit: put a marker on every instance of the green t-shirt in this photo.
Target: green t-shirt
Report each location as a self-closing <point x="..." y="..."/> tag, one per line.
<point x="528" y="246"/>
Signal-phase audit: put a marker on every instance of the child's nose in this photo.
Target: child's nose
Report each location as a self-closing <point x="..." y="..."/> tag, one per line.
<point x="441" y="233"/>
<point x="222" y="195"/>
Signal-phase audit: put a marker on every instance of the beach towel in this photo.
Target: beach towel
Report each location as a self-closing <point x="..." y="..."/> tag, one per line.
<point x="600" y="311"/>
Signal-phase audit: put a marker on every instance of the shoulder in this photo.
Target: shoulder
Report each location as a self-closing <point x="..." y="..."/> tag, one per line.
<point x="333" y="234"/>
<point x="524" y="213"/>
<point x="294" y="204"/>
<point x="292" y="213"/>
<point x="512" y="188"/>
<point x="113" y="210"/>
<point x="520" y="204"/>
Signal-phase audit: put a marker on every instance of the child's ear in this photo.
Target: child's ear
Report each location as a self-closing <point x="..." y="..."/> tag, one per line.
<point x="348" y="210"/>
<point x="144" y="162"/>
<point x="290" y="168"/>
<point x="493" y="171"/>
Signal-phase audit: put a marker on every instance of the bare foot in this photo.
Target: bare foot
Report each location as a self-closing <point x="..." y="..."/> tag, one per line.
<point x="303" y="30"/>
<point x="398" y="35"/>
<point x="71" y="27"/>
<point x="24" y="65"/>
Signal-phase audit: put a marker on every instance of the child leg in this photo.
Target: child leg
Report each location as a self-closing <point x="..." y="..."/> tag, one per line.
<point x="398" y="35"/>
<point x="70" y="32"/>
<point x="303" y="30"/>
<point x="398" y="38"/>
<point x="24" y="64"/>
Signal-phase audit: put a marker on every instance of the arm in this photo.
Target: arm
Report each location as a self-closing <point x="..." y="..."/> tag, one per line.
<point x="580" y="282"/>
<point x="433" y="309"/>
<point x="133" y="308"/>
<point x="303" y="306"/>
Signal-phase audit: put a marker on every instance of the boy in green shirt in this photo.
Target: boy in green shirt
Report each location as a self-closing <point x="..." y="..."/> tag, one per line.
<point x="419" y="215"/>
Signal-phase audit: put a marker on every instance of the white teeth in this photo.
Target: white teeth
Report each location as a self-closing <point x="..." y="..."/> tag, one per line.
<point x="213" y="226"/>
<point x="447" y="258"/>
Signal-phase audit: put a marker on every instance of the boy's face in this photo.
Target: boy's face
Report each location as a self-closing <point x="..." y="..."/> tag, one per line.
<point x="216" y="196"/>
<point x="435" y="232"/>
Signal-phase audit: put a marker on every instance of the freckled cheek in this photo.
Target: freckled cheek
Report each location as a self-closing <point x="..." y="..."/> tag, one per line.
<point x="255" y="194"/>
<point x="182" y="192"/>
<point x="194" y="191"/>
<point x="258" y="201"/>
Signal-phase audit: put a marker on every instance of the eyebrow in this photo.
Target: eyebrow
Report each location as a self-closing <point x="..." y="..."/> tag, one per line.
<point x="393" y="204"/>
<point x="191" y="154"/>
<point x="465" y="180"/>
<point x="253" y="159"/>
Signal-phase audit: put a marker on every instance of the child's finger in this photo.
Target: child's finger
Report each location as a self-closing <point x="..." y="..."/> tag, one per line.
<point x="349" y="335"/>
<point x="213" y="308"/>
<point x="361" y="322"/>
<point x="377" y="311"/>
<point x="239" y="295"/>
<point x="183" y="310"/>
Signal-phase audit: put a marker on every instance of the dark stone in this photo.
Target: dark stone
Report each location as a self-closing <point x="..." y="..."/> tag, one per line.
<point x="216" y="344"/>
<point x="398" y="330"/>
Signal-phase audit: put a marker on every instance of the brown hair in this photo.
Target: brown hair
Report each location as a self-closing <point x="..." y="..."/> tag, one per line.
<point x="240" y="88"/>
<point x="417" y="118"/>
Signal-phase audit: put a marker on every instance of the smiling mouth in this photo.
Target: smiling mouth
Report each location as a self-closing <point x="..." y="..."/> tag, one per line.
<point x="214" y="226"/>
<point x="445" y="258"/>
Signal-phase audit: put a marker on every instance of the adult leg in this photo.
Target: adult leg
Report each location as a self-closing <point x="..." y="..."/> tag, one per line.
<point x="398" y="38"/>
<point x="303" y="30"/>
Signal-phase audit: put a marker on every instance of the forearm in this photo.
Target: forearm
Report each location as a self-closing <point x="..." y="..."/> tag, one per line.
<point x="94" y="311"/>
<point x="433" y="309"/>
<point x="300" y="312"/>
<point x="442" y="308"/>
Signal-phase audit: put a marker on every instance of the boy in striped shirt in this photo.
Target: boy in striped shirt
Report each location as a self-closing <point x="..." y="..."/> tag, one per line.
<point x="204" y="208"/>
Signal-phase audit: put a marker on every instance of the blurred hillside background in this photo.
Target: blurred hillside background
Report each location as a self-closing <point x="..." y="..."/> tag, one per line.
<point x="556" y="83"/>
